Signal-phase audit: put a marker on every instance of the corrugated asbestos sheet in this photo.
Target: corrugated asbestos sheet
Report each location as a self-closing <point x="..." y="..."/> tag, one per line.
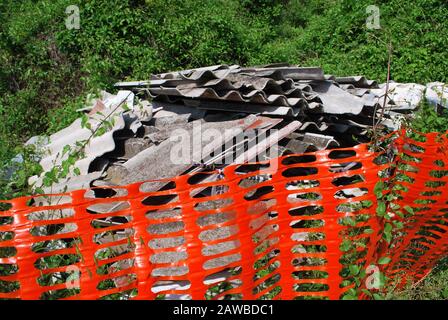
<point x="308" y="109"/>
<point x="209" y="118"/>
<point x="200" y="120"/>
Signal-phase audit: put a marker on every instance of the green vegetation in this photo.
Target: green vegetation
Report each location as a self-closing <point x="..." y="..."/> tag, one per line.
<point x="433" y="287"/>
<point x="429" y="120"/>
<point x="46" y="70"/>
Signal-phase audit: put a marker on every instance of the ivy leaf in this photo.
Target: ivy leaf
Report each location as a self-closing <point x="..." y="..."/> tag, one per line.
<point x="409" y="209"/>
<point x="377" y="296"/>
<point x="66" y="149"/>
<point x="378" y="189"/>
<point x="46" y="181"/>
<point x="387" y="234"/>
<point x="349" y="221"/>
<point x="384" y="260"/>
<point x="84" y="120"/>
<point x="72" y="159"/>
<point x="367" y="292"/>
<point x="362" y="274"/>
<point x="398" y="224"/>
<point x="399" y="213"/>
<point x="381" y="209"/>
<point x="76" y="171"/>
<point x="345" y="245"/>
<point x="101" y="131"/>
<point x="80" y="143"/>
<point x="350" y="295"/>
<point x="126" y="107"/>
<point x="354" y="269"/>
<point x="106" y="125"/>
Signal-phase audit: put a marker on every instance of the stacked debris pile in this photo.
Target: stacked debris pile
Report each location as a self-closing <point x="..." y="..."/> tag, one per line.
<point x="313" y="111"/>
<point x="253" y="114"/>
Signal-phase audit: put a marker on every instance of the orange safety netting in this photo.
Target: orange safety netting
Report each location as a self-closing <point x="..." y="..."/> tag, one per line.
<point x="420" y="182"/>
<point x="284" y="229"/>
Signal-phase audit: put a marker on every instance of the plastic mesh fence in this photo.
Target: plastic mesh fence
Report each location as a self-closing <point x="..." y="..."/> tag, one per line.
<point x="285" y="229"/>
<point x="420" y="191"/>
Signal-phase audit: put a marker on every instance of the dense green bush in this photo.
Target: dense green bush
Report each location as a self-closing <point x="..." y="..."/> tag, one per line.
<point x="46" y="70"/>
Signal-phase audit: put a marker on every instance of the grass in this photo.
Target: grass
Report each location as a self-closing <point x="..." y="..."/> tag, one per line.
<point x="433" y="287"/>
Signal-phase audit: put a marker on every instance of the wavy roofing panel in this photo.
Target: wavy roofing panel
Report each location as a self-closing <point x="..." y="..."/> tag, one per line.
<point x="280" y="85"/>
<point x="357" y="81"/>
<point x="93" y="146"/>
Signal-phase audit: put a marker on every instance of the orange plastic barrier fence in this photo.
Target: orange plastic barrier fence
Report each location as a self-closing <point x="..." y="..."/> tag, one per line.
<point x="420" y="182"/>
<point x="289" y="228"/>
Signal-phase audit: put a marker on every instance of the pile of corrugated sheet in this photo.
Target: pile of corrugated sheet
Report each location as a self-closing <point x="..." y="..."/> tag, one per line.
<point x="254" y="114"/>
<point x="309" y="110"/>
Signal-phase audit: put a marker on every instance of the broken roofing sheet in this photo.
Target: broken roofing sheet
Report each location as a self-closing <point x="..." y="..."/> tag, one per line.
<point x="58" y="146"/>
<point x="437" y="94"/>
<point x="135" y="169"/>
<point x="284" y="90"/>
